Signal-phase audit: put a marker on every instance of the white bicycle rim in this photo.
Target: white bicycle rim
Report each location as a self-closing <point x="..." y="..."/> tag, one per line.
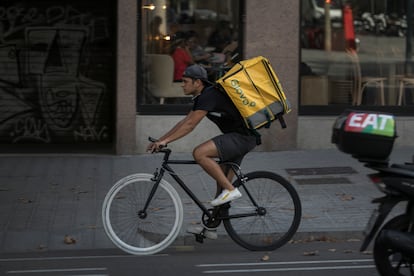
<point x="156" y="247"/>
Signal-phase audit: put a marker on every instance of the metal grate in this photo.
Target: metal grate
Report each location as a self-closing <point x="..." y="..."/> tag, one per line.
<point x="323" y="180"/>
<point x="320" y="171"/>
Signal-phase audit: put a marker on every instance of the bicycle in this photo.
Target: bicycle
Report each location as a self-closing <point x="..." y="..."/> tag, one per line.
<point x="143" y="213"/>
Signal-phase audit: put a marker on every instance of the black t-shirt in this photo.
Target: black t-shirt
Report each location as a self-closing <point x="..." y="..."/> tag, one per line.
<point x="221" y="110"/>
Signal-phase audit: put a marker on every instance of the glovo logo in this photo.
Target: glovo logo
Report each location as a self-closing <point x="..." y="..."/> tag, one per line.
<point x="244" y="100"/>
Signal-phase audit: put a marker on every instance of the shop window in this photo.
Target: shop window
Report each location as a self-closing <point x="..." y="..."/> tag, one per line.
<point x="355" y="54"/>
<point x="174" y="34"/>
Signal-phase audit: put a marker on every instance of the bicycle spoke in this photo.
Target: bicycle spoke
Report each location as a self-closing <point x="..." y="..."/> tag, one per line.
<point x="278" y="212"/>
<point x="142" y="235"/>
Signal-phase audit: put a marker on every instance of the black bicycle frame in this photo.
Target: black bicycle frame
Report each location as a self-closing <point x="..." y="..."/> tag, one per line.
<point x="158" y="175"/>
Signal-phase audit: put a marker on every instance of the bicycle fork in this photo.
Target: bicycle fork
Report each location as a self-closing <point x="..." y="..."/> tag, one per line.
<point x="157" y="179"/>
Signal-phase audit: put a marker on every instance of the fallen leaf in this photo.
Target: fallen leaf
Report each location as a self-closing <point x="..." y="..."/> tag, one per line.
<point x="311" y="253"/>
<point x="345" y="197"/>
<point x="353" y="240"/>
<point x="308" y="217"/>
<point x="25" y="200"/>
<point x="326" y="239"/>
<point x="265" y="258"/>
<point x="41" y="246"/>
<point x="69" y="240"/>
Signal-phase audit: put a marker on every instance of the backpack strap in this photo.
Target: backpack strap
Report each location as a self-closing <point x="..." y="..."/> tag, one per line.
<point x="281" y="120"/>
<point x="257" y="135"/>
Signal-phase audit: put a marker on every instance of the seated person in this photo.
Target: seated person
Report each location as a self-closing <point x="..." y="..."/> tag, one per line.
<point x="221" y="37"/>
<point x="181" y="55"/>
<point x="197" y="51"/>
<point x="231" y="51"/>
<point x="202" y="56"/>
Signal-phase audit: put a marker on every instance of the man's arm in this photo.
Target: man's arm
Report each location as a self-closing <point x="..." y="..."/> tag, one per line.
<point x="181" y="129"/>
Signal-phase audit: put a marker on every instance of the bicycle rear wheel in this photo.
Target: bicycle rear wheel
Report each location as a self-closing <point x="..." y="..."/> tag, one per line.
<point x="137" y="233"/>
<point x="278" y="212"/>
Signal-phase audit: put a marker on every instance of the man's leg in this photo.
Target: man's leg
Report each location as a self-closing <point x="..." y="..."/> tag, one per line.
<point x="204" y="155"/>
<point x="229" y="174"/>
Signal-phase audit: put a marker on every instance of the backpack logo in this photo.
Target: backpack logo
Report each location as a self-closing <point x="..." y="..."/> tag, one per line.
<point x="244" y="100"/>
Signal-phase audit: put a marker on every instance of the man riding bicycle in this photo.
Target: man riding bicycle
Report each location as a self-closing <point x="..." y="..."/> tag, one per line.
<point x="231" y="146"/>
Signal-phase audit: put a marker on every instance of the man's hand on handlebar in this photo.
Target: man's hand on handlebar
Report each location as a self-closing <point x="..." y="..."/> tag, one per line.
<point x="155" y="145"/>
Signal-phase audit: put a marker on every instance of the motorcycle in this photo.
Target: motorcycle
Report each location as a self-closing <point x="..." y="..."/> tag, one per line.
<point x="394" y="240"/>
<point x="369" y="137"/>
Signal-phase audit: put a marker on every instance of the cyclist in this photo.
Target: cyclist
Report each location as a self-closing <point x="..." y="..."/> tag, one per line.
<point x="231" y="146"/>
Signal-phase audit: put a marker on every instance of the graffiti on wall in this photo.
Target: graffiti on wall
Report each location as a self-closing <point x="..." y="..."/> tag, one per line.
<point x="56" y="72"/>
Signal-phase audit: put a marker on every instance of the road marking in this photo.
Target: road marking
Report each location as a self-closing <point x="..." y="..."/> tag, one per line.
<point x="288" y="269"/>
<point x="56" y="270"/>
<point x="75" y="257"/>
<point x="353" y="264"/>
<point x="288" y="263"/>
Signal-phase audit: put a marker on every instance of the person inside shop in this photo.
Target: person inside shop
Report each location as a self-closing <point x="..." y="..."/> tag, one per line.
<point x="211" y="61"/>
<point x="197" y="51"/>
<point x="221" y="37"/>
<point x="156" y="37"/>
<point x="181" y="54"/>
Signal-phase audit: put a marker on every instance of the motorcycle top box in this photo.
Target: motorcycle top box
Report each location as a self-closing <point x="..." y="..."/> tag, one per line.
<point x="365" y="134"/>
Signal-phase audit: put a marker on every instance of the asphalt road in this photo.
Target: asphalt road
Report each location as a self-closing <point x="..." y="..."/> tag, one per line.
<point x="308" y="258"/>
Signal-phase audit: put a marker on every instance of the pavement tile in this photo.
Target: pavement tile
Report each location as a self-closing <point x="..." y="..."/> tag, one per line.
<point x="43" y="198"/>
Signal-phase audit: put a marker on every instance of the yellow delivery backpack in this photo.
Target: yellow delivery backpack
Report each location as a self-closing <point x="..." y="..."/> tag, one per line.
<point x="256" y="92"/>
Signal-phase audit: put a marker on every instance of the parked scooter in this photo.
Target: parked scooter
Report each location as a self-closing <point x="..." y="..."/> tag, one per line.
<point x="369" y="137"/>
<point x="368" y="22"/>
<point x="394" y="243"/>
<point x="396" y="26"/>
<point x="381" y="23"/>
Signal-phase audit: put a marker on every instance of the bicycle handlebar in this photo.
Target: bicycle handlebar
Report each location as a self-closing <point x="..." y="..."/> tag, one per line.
<point x="162" y="148"/>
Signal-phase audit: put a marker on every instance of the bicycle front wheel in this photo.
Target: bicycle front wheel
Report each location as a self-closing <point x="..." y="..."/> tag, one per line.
<point x="136" y="231"/>
<point x="267" y="215"/>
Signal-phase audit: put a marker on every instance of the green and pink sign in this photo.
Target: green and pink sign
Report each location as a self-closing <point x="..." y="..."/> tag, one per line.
<point x="371" y="123"/>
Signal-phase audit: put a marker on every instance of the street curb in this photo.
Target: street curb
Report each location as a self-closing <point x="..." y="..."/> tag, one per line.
<point x="327" y="236"/>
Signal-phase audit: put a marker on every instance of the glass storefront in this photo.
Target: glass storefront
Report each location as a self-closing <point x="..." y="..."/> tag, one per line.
<point x="356" y="54"/>
<point x="177" y="33"/>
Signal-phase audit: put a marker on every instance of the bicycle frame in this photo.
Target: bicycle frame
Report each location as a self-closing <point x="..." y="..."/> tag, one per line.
<point x="165" y="167"/>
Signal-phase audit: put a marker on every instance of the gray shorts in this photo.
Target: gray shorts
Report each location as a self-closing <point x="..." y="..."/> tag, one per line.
<point x="233" y="146"/>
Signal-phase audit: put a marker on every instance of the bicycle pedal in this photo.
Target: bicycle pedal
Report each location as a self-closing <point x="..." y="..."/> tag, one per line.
<point x="199" y="238"/>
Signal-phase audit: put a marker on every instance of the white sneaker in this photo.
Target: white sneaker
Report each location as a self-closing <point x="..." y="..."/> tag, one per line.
<point x="208" y="233"/>
<point x="226" y="196"/>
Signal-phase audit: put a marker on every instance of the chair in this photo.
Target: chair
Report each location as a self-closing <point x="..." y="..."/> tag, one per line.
<point x="161" y="69"/>
<point x="360" y="82"/>
<point x="403" y="82"/>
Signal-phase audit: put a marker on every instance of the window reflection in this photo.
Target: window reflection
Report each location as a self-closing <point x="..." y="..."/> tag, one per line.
<point x="176" y="34"/>
<point x="353" y="53"/>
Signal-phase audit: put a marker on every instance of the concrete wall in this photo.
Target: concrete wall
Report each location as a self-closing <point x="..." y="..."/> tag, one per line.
<point x="314" y="132"/>
<point x="126" y="78"/>
<point x="272" y="31"/>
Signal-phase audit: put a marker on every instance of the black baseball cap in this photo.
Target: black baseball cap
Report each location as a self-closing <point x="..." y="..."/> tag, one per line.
<point x="196" y="71"/>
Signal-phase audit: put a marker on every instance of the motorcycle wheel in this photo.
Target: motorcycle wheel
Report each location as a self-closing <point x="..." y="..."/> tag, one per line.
<point x="387" y="261"/>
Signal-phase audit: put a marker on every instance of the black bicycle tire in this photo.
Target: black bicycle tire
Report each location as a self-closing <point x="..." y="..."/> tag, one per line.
<point x="381" y="253"/>
<point x="272" y="243"/>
